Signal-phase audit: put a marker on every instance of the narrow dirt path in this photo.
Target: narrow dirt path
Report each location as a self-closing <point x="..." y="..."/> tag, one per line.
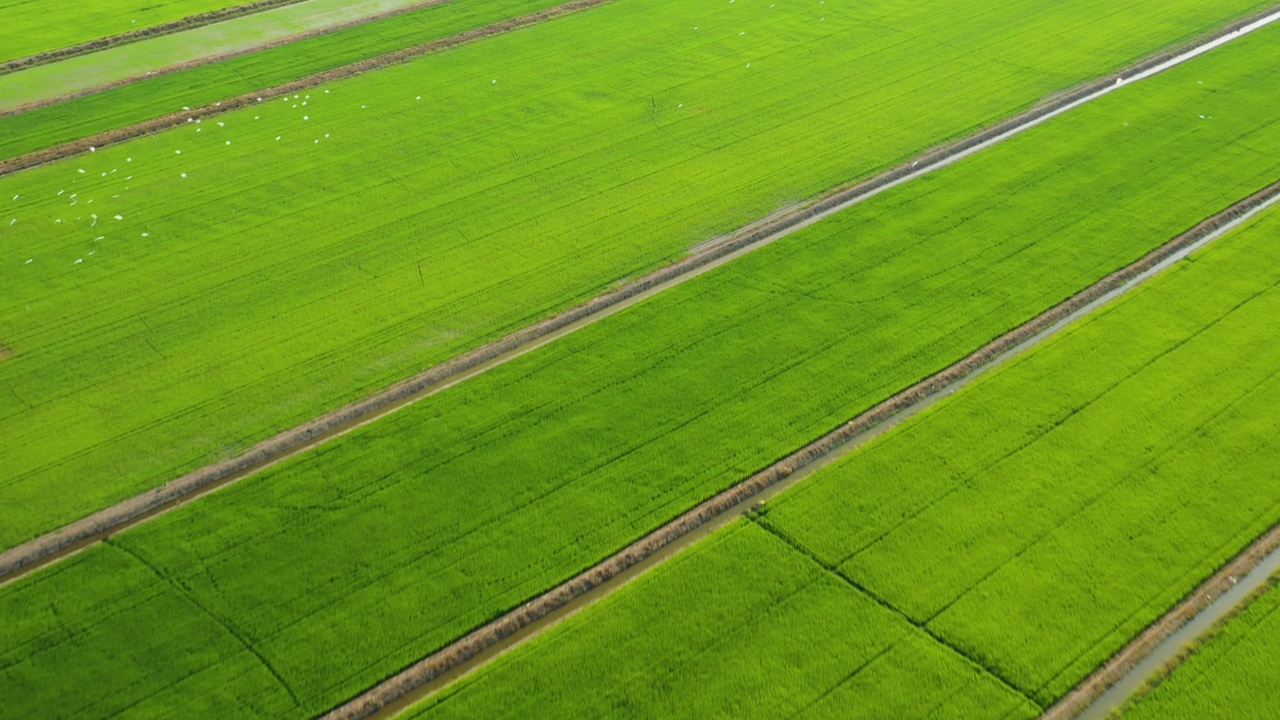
<point x="67" y="540"/>
<point x="56" y="81"/>
<point x="173" y="26"/>
<point x="519" y="625"/>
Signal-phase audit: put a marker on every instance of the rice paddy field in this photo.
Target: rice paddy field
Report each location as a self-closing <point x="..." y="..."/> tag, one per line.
<point x="300" y="586"/>
<point x="172" y="300"/>
<point x="1231" y="676"/>
<point x="152" y="97"/>
<point x="1024" y="528"/>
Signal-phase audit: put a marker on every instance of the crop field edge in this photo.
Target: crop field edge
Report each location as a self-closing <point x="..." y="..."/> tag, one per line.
<point x="1165" y="671"/>
<point x="124" y="38"/>
<point x="1133" y="653"/>
<point x="175" y="119"/>
<point x="222" y="57"/>
<point x="65" y="541"/>
<point x="62" y="542"/>
<point x="559" y="597"/>
<point x="148" y="127"/>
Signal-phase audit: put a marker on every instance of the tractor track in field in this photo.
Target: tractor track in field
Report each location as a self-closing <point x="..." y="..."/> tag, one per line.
<point x="1050" y="106"/>
<point x="220" y="57"/>
<point x="168" y="28"/>
<point x="50" y="547"/>
<point x="539" y="614"/>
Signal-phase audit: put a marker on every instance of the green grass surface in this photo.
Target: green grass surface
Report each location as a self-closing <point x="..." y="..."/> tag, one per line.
<point x="383" y="233"/>
<point x="1231" y="676"/>
<point x="742" y="626"/>
<point x="1149" y="428"/>
<point x="28" y="27"/>
<point x="1041" y="519"/>
<point x="206" y="84"/>
<point x="331" y="571"/>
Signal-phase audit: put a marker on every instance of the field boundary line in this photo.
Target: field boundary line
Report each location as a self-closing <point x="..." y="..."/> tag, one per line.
<point x="1062" y="101"/>
<point x="306" y="82"/>
<point x="1131" y="655"/>
<point x="895" y="410"/>
<point x="1166" y="670"/>
<point x="124" y="38"/>
<point x="178" y="67"/>
<point x="1200" y="601"/>
<point x="132" y="511"/>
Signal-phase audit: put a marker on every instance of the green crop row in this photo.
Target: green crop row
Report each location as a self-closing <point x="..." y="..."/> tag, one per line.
<point x="1231" y="676"/>
<point x="300" y="586"/>
<point x="28" y="28"/>
<point x="174" y="299"/>
<point x="205" y="84"/>
<point x="1032" y="523"/>
<point x="741" y="626"/>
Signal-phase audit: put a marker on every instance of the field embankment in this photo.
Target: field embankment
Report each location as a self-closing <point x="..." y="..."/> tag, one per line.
<point x="51" y="30"/>
<point x="1231" y="674"/>
<point x="129" y="103"/>
<point x="982" y="523"/>
<point x="136" y="509"/>
<point x="305" y="584"/>
<point x="382" y="234"/>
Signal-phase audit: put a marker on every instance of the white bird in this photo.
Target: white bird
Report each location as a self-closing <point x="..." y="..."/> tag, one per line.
<point x="277" y="137"/>
<point x="119" y="217"/>
<point x="29" y="261"/>
<point x="184" y="175"/>
<point x="146" y="234"/>
<point x="93" y="149"/>
<point x="228" y="142"/>
<point x="79" y="261"/>
<point x="128" y="159"/>
<point x="177" y="152"/>
<point x="15" y="197"/>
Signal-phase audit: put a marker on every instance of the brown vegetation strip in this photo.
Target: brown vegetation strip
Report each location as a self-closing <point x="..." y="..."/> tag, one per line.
<point x="93" y="528"/>
<point x="168" y="28"/>
<point x="471" y="644"/>
<point x="1141" y="646"/>
<point x="164" y="122"/>
<point x="179" y="67"/>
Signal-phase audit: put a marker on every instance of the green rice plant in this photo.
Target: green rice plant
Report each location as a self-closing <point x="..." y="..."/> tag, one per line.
<point x="1044" y="517"/>
<point x="159" y="95"/>
<point x="314" y="579"/>
<point x="741" y="626"/>
<point x="30" y="28"/>
<point x="251" y="283"/>
<point x="1193" y="340"/>
<point x="1231" y="675"/>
